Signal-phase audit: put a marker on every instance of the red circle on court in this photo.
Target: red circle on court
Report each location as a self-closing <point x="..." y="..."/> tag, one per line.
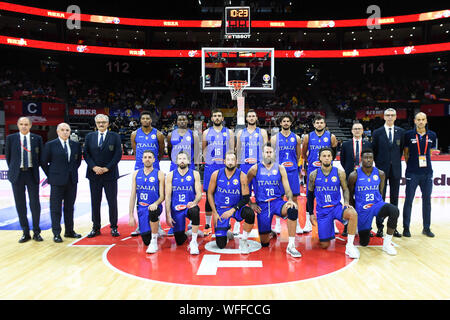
<point x="272" y="265"/>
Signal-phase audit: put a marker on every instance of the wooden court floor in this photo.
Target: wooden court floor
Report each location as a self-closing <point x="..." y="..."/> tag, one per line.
<point x="48" y="270"/>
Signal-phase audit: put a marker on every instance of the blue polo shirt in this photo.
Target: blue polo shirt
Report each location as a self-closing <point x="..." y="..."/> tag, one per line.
<point x="412" y="166"/>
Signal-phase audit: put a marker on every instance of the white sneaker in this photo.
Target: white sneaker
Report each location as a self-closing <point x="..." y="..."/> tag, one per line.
<point x="336" y="230"/>
<point x="199" y="233"/>
<point x="308" y="226"/>
<point x="161" y="232"/>
<point x="390" y="249"/>
<point x="244" y="247"/>
<point x="136" y="232"/>
<point x="237" y="228"/>
<point x="230" y="235"/>
<point x="193" y="247"/>
<point x="152" y="247"/>
<point x="298" y="229"/>
<point x="293" y="251"/>
<point x="277" y="228"/>
<point x="352" y="251"/>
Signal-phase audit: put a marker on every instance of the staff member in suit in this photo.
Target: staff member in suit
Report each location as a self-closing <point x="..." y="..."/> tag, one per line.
<point x="23" y="156"/>
<point x="387" y="145"/>
<point x="60" y="161"/>
<point x="351" y="153"/>
<point x="102" y="152"/>
<point x="351" y="149"/>
<point x="418" y="144"/>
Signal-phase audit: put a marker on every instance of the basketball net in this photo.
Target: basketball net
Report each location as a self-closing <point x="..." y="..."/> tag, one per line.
<point x="236" y="90"/>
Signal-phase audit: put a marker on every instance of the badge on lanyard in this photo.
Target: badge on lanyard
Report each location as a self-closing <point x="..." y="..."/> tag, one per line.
<point x="422" y="157"/>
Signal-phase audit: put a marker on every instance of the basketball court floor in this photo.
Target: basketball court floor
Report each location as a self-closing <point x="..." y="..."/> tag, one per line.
<point x="119" y="268"/>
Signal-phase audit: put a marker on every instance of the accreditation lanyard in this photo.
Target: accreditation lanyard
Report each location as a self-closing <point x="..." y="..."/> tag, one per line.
<point x="422" y="157"/>
<point x="354" y="150"/>
<point x="23" y="147"/>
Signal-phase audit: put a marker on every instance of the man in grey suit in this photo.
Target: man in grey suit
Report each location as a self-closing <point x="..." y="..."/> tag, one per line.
<point x="102" y="152"/>
<point x="387" y="144"/>
<point x="23" y="156"/>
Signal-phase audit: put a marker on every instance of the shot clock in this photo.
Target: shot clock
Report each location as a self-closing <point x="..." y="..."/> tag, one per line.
<point x="237" y="22"/>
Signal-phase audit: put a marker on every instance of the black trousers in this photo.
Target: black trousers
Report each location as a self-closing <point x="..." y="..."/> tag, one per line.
<point x="394" y="187"/>
<point x="58" y="194"/>
<point x="26" y="180"/>
<point x="110" y="187"/>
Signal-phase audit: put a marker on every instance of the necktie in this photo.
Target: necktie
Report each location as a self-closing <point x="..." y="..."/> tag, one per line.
<point x="357" y="153"/>
<point x="25" y="153"/>
<point x="390" y="135"/>
<point x="101" y="140"/>
<point x="65" y="150"/>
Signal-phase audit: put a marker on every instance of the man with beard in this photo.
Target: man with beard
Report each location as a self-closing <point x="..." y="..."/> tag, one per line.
<point x="271" y="184"/>
<point x="288" y="152"/>
<point x="216" y="142"/>
<point x="366" y="186"/>
<point x="312" y="143"/>
<point x="183" y="193"/>
<point x="250" y="141"/>
<point x="180" y="139"/>
<point x="147" y="138"/>
<point x="228" y="195"/>
<point x="325" y="185"/>
<point x="148" y="187"/>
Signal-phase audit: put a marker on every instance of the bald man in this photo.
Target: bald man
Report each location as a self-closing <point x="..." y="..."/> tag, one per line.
<point x="418" y="144"/>
<point x="60" y="161"/>
<point x="23" y="153"/>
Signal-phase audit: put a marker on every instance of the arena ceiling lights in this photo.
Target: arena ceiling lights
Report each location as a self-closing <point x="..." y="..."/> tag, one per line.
<point x="419" y="17"/>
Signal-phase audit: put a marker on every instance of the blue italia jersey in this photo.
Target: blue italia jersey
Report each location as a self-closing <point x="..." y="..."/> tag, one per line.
<point x="268" y="185"/>
<point x="287" y="151"/>
<point x="228" y="191"/>
<point x="217" y="145"/>
<point x="251" y="147"/>
<point x="367" y="191"/>
<point x="327" y="189"/>
<point x="315" y="143"/>
<point x="183" y="189"/>
<point x="147" y="187"/>
<point x="182" y="143"/>
<point x="146" y="142"/>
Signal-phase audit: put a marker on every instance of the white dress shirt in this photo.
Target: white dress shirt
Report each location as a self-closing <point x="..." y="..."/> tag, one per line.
<point x="387" y="132"/>
<point x="28" y="137"/>
<point x="68" y="147"/>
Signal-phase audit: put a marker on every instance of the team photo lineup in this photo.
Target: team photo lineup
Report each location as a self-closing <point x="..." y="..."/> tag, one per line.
<point x="225" y="157"/>
<point x="258" y="179"/>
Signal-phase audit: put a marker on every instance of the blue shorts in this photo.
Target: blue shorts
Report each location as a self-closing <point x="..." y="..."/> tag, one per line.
<point x="222" y="226"/>
<point x="268" y="210"/>
<point x="144" y="218"/>
<point x="209" y="170"/>
<point x="365" y="216"/>
<point x="294" y="181"/>
<point x="180" y="219"/>
<point x="325" y="221"/>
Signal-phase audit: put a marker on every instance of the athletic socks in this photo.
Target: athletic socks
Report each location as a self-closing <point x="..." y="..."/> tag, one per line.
<point x="208" y="220"/>
<point x="350" y="239"/>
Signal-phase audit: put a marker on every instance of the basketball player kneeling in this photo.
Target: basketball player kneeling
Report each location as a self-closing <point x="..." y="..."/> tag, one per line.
<point x="228" y="195"/>
<point x="366" y="187"/>
<point x="183" y="193"/>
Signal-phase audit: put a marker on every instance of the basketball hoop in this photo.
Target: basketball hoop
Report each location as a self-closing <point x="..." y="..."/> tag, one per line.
<point x="236" y="88"/>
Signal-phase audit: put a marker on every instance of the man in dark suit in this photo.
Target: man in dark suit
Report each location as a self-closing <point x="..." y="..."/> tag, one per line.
<point x="351" y="149"/>
<point x="387" y="144"/>
<point x="23" y="156"/>
<point x="60" y="161"/>
<point x="351" y="153"/>
<point x="102" y="152"/>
